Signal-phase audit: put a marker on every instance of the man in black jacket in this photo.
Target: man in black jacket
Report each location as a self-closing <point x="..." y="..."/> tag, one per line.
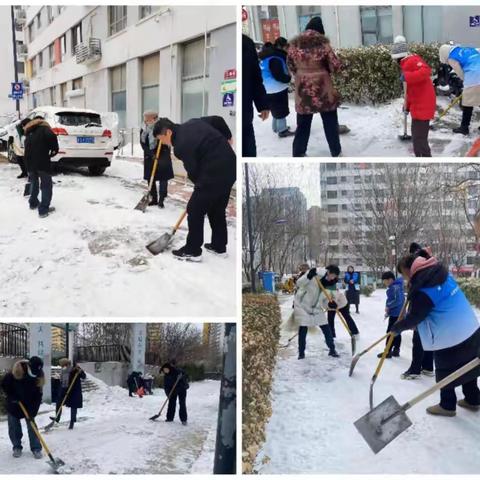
<point x="210" y="163"/>
<point x="41" y="144"/>
<point x="24" y="384"/>
<point x="253" y="92"/>
<point x="175" y="384"/>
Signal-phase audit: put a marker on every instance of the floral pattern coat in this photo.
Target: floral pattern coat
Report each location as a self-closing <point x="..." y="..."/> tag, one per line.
<point x="312" y="60"/>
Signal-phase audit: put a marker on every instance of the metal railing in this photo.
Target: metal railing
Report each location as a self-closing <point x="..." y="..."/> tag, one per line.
<point x="103" y="353"/>
<point x="13" y="340"/>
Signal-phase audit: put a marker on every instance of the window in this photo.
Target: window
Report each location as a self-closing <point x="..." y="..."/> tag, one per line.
<point x="34" y="66"/>
<point x="53" y="96"/>
<point x="76" y="36"/>
<point x="333" y="221"/>
<point x="150" y="82"/>
<point x="40" y="61"/>
<point x="344" y="193"/>
<point x="119" y="93"/>
<point x="117" y="18"/>
<point x="20" y="67"/>
<point x="63" y="47"/>
<point x="331" y="180"/>
<point x="60" y="9"/>
<point x="343" y="179"/>
<point x="332" y="208"/>
<point x="331" y="194"/>
<point x="50" y="16"/>
<point x="30" y="33"/>
<point x="344" y="207"/>
<point x="77" y="83"/>
<point x="76" y="119"/>
<point x="376" y="24"/>
<point x="63" y="94"/>
<point x="194" y="86"/>
<point x="357" y="179"/>
<point x="331" y="166"/>
<point x="146" y="10"/>
<point x="305" y="13"/>
<point x="39" y="20"/>
<point x="51" y="55"/>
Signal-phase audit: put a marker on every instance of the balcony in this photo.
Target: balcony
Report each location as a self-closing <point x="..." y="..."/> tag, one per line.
<point x="22" y="51"/>
<point x="20" y="17"/>
<point x="89" y="51"/>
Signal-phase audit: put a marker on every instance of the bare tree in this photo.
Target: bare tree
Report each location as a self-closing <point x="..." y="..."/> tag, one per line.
<point x="94" y="334"/>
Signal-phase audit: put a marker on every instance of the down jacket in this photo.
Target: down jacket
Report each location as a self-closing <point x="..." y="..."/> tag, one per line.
<point x="41" y="144"/>
<point x="309" y="303"/>
<point x="465" y="61"/>
<point x="312" y="62"/>
<point x="421" y="99"/>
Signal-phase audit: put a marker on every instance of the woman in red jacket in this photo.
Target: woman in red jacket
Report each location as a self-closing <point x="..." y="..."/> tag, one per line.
<point x="420" y="98"/>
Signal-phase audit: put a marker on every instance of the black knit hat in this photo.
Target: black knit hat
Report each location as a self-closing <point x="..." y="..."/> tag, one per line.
<point x="333" y="269"/>
<point x="316" y="24"/>
<point x="414" y="248"/>
<point x="36" y="365"/>
<point x="388" y="276"/>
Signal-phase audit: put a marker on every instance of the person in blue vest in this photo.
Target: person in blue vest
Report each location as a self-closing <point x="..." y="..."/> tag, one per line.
<point x="276" y="79"/>
<point x="465" y="62"/>
<point x="393" y="307"/>
<point x="446" y="324"/>
<point x="352" y="285"/>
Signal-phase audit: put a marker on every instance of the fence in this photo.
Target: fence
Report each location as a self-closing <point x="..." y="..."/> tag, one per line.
<point x="13" y="340"/>
<point x="103" y="353"/>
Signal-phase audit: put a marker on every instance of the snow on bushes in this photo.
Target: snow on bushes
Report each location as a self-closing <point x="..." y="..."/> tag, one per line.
<point x="369" y="75"/>
<point x="261" y="334"/>
<point x="471" y="288"/>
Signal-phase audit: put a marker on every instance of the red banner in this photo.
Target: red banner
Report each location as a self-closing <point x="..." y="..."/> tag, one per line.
<point x="270" y="30"/>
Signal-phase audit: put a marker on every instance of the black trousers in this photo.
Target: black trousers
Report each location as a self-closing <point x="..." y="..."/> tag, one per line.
<point x="172" y="405"/>
<point x="162" y="190"/>
<point x="73" y="411"/>
<point x="397" y="341"/>
<point x="211" y="203"/>
<point x="249" y="146"/>
<point x="330" y="127"/>
<point x="421" y="360"/>
<point x="21" y="164"/>
<point x="420" y="130"/>
<point x="302" y="338"/>
<point x="348" y="318"/>
<point x="467" y="113"/>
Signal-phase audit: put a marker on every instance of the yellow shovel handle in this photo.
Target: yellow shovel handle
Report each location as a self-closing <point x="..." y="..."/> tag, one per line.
<point x="384" y="354"/>
<point x="34" y="427"/>
<point x="180" y="221"/>
<point x="154" y="168"/>
<point x="67" y="394"/>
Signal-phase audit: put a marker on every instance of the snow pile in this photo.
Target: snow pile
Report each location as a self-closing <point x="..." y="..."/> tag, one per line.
<point x="374" y="133"/>
<point x="89" y="257"/>
<point x="315" y="404"/>
<point x="115" y="436"/>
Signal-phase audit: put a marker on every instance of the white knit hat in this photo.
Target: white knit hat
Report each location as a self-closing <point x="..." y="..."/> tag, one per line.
<point x="444" y="52"/>
<point x="400" y="47"/>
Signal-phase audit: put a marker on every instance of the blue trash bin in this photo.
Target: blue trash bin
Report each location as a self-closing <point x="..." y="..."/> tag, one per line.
<point x="269" y="281"/>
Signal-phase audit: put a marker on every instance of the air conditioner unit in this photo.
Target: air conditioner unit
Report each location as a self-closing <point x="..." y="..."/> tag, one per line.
<point x="22" y="50"/>
<point x="21" y="17"/>
<point x="89" y="51"/>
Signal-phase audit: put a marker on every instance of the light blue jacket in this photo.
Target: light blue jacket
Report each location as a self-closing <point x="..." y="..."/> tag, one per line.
<point x="452" y="319"/>
<point x="271" y="84"/>
<point x="469" y="60"/>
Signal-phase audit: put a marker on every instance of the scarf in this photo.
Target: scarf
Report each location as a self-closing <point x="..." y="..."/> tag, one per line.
<point x="147" y="133"/>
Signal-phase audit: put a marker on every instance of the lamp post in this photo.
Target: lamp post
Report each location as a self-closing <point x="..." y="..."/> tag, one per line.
<point x="15" y="66"/>
<point x="393" y="240"/>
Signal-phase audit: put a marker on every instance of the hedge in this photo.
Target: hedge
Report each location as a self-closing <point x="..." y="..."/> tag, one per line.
<point x="370" y="76"/>
<point x="260" y="337"/>
<point x="471" y="288"/>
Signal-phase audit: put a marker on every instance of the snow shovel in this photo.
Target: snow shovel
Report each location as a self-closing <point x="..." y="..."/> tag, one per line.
<point x="356" y="358"/>
<point x="340" y="315"/>
<point x="27" y="189"/>
<point x="162" y="242"/>
<point x="145" y="200"/>
<point x="451" y="104"/>
<point x="388" y="346"/>
<point x="55" y="463"/>
<point x="52" y="423"/>
<point x="388" y="420"/>
<point x="405" y="137"/>
<point x="288" y="341"/>
<point x="167" y="399"/>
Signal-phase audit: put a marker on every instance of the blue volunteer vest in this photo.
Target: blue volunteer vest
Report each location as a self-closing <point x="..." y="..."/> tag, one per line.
<point x="469" y="60"/>
<point x="271" y="85"/>
<point x="452" y="319"/>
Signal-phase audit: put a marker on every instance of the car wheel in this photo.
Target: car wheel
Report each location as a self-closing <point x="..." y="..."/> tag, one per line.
<point x="95" y="171"/>
<point x="12" y="157"/>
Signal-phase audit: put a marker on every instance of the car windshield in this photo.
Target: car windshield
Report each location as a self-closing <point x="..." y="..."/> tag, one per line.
<point x="77" y="119"/>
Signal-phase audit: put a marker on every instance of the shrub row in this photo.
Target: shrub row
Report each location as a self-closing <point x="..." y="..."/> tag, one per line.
<point x="471" y="288"/>
<point x="370" y="76"/>
<point x="260" y="337"/>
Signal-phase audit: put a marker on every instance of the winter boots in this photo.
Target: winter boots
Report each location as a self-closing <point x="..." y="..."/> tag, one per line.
<point x="409" y="376"/>
<point x="72" y="423"/>
<point x="301" y="356"/>
<point x="184" y="423"/>
<point x="461" y="129"/>
<point x="17" y="452"/>
<point x="47" y="213"/>
<point x="464" y="404"/>
<point x="182" y="254"/>
<point x="37" y="454"/>
<point x="395" y="352"/>
<point x="333" y="353"/>
<point x="428" y="373"/>
<point x="389" y="355"/>
<point x="286" y="133"/>
<point x="439" y="410"/>
<point x="210" y="248"/>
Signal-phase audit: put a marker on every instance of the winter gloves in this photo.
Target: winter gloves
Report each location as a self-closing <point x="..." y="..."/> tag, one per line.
<point x="312" y="273"/>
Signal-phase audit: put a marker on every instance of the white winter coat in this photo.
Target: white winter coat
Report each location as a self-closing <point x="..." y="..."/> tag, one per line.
<point x="309" y="304"/>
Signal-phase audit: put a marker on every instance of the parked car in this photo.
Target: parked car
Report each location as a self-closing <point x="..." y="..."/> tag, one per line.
<point x="83" y="137"/>
<point x="3" y="139"/>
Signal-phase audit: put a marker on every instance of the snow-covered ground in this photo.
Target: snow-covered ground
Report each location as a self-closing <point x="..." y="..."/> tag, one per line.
<point x="89" y="257"/>
<point x="374" y="133"/>
<point x="315" y="403"/>
<point x="114" y="435"/>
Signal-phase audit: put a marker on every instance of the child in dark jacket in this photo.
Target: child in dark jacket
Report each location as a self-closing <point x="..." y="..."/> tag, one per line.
<point x="393" y="307"/>
<point x="175" y="384"/>
<point x="420" y="99"/>
<point x="24" y="384"/>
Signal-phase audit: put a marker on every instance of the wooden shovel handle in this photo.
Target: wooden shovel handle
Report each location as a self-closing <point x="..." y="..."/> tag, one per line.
<point x="154" y="168"/>
<point x="180" y="221"/>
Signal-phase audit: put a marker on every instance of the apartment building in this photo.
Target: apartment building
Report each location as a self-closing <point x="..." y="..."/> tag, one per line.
<point x="128" y="59"/>
<point x="354" y="25"/>
<point x="7" y="105"/>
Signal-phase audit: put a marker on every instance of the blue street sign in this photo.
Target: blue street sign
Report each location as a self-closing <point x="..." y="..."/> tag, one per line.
<point x="17" y="91"/>
<point x="228" y="99"/>
<point x="475" y="21"/>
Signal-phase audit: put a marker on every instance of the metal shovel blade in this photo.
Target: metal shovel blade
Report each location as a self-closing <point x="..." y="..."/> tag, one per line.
<point x="56" y="464"/>
<point x="383" y="424"/>
<point x="154" y="417"/>
<point x="143" y="203"/>
<point x="354" y="345"/>
<point x="353" y="364"/>
<point x="405" y="138"/>
<point x="48" y="427"/>
<point x="160" y="244"/>
<point x="27" y="190"/>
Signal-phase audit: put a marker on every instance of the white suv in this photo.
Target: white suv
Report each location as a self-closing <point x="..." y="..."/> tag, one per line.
<point x="84" y="141"/>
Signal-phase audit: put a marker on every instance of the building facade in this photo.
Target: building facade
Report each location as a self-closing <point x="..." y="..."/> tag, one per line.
<point x="354" y="26"/>
<point x="128" y="59"/>
<point x="7" y="105"/>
